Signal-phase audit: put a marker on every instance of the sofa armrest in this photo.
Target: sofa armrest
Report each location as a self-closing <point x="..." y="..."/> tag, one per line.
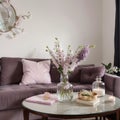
<point x="112" y="83"/>
<point x="117" y="87"/>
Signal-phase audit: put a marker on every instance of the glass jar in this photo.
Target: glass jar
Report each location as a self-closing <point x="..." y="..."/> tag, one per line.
<point x="98" y="86"/>
<point x="64" y="89"/>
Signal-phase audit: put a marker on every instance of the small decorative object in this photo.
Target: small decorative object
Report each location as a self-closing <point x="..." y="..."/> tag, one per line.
<point x="111" y="69"/>
<point x="111" y="99"/>
<point x="46" y="99"/>
<point x="9" y="21"/>
<point x="65" y="64"/>
<point x="98" y="87"/>
<point x="87" y="97"/>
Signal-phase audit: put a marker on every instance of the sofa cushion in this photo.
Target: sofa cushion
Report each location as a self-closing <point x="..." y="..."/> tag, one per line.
<point x="35" y="72"/>
<point x="89" y="74"/>
<point x="11" y="96"/>
<point x="11" y="70"/>
<point x="75" y="75"/>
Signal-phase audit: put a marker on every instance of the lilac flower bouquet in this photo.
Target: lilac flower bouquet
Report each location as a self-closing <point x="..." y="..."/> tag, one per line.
<point x="65" y="64"/>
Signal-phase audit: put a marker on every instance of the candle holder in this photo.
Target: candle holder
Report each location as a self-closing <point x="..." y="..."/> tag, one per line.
<point x="98" y="87"/>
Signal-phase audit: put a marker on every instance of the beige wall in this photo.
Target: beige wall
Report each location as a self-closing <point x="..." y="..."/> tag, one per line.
<point x="108" y="30"/>
<point x="74" y="22"/>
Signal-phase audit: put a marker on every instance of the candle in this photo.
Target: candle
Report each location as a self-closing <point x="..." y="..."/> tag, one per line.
<point x="111" y="98"/>
<point x="99" y="91"/>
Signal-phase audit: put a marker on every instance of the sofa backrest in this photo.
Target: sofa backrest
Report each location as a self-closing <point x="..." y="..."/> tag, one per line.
<point x="12" y="71"/>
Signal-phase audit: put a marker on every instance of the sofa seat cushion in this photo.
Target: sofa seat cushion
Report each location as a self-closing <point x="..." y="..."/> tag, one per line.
<point x="11" y="96"/>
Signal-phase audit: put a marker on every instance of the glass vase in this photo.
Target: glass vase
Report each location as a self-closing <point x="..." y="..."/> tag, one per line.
<point x="64" y="89"/>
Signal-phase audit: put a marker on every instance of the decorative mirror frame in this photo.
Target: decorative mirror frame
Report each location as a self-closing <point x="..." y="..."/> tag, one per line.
<point x="9" y="21"/>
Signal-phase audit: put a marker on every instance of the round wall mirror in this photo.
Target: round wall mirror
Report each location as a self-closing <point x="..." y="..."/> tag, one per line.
<point x="8" y="16"/>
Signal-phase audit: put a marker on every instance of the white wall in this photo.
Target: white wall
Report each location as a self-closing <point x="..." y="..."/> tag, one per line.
<point x="108" y="30"/>
<point x="74" y="22"/>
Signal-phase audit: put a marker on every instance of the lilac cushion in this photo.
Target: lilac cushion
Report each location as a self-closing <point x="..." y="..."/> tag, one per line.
<point x="35" y="72"/>
<point x="89" y="74"/>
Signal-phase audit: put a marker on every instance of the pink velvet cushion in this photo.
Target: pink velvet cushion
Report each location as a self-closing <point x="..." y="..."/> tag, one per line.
<point x="35" y="72"/>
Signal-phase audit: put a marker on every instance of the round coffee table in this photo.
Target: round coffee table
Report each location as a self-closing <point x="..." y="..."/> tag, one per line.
<point x="72" y="109"/>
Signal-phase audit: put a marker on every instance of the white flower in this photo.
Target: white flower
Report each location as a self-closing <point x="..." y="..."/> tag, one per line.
<point x="111" y="69"/>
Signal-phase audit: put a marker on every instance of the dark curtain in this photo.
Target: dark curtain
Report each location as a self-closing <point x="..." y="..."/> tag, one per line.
<point x="117" y="36"/>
